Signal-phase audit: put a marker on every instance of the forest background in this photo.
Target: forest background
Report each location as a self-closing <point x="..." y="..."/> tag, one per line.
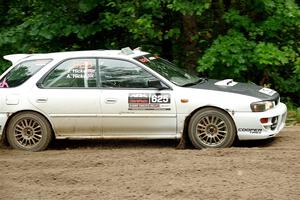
<point x="247" y="40"/>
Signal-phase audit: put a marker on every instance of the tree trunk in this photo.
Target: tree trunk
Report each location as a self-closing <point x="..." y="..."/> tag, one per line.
<point x="190" y="44"/>
<point x="265" y="78"/>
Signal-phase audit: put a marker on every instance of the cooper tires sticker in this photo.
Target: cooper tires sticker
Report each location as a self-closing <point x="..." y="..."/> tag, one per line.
<point x="250" y="130"/>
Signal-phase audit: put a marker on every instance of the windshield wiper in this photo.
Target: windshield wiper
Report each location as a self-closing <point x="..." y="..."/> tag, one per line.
<point x="200" y="80"/>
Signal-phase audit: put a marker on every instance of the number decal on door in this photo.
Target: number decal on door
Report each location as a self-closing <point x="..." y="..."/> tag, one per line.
<point x="149" y="101"/>
<point x="160" y="98"/>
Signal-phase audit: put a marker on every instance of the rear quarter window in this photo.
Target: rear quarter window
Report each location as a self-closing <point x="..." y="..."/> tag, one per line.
<point x="22" y="72"/>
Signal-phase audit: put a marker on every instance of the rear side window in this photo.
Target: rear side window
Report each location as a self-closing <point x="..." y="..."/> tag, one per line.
<point x="74" y="73"/>
<point x="22" y="72"/>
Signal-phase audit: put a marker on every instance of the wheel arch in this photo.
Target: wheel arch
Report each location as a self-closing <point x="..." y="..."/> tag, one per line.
<point x="188" y="118"/>
<point x="11" y="115"/>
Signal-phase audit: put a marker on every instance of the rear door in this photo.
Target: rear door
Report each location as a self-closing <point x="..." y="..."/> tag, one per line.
<point x="129" y="107"/>
<point x="70" y="97"/>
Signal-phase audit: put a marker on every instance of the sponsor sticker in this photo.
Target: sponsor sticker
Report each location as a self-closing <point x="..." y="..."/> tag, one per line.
<point x="4" y="84"/>
<point x="149" y="101"/>
<point x="144" y="60"/>
<point x="267" y="91"/>
<point x="251" y="130"/>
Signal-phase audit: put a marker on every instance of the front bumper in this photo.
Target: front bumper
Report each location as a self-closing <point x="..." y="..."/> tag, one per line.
<point x="250" y="127"/>
<point x="3" y="120"/>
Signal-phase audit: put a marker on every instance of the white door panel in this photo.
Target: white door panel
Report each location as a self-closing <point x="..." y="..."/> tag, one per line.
<point x="73" y="112"/>
<point x="128" y="113"/>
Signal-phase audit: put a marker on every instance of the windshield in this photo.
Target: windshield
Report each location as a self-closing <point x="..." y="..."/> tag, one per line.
<point x="168" y="70"/>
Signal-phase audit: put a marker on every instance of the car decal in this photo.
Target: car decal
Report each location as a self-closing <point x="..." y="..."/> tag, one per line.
<point x="149" y="101"/>
<point x="250" y="130"/>
<point x="267" y="91"/>
<point x="76" y="73"/>
<point x="4" y="84"/>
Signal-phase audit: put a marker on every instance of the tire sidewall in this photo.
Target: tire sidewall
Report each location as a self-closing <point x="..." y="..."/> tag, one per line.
<point x="192" y="129"/>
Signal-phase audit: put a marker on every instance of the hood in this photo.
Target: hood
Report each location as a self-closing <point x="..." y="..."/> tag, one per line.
<point x="248" y="89"/>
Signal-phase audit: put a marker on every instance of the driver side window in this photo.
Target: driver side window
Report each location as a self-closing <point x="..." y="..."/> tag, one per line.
<point x="122" y="74"/>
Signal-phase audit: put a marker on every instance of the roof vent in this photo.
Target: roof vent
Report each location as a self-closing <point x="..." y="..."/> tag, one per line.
<point x="138" y="49"/>
<point x="127" y="51"/>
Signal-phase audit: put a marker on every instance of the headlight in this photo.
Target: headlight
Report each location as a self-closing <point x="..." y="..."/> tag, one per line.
<point x="261" y="106"/>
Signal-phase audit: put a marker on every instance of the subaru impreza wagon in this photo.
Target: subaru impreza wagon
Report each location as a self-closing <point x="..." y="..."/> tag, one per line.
<point x="128" y="94"/>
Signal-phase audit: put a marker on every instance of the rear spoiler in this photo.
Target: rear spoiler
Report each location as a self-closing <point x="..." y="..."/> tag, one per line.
<point x="14" y="58"/>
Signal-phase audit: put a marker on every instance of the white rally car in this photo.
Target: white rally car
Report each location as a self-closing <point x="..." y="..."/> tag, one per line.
<point x="127" y="94"/>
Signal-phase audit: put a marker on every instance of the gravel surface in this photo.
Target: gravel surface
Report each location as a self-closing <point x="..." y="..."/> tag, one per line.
<point x="268" y="169"/>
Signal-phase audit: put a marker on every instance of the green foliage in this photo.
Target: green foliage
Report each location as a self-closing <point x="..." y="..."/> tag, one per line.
<point x="260" y="45"/>
<point x="293" y="116"/>
<point x="231" y="53"/>
<point x="193" y="7"/>
<point x="255" y="40"/>
<point x="268" y="54"/>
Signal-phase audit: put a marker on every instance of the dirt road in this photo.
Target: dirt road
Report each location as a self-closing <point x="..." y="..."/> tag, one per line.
<point x="154" y="170"/>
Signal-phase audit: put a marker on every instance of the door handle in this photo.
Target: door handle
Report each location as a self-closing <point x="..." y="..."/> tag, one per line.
<point x="110" y="101"/>
<point x="42" y="100"/>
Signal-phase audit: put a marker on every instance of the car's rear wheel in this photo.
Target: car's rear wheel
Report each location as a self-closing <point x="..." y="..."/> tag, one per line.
<point x="211" y="128"/>
<point x="29" y="131"/>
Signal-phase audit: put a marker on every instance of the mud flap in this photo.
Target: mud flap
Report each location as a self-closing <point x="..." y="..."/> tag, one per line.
<point x="3" y="142"/>
<point x="184" y="142"/>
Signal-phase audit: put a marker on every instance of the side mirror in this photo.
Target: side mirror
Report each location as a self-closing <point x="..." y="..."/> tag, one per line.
<point x="39" y="84"/>
<point x="157" y="84"/>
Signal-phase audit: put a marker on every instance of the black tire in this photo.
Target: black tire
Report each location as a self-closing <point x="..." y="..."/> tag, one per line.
<point x="29" y="131"/>
<point x="211" y="128"/>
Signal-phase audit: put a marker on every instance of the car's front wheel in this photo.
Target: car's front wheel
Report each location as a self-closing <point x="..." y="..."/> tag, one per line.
<point x="29" y="131"/>
<point x="211" y="128"/>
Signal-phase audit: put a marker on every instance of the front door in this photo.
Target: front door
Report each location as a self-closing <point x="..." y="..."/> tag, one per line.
<point x="129" y="107"/>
